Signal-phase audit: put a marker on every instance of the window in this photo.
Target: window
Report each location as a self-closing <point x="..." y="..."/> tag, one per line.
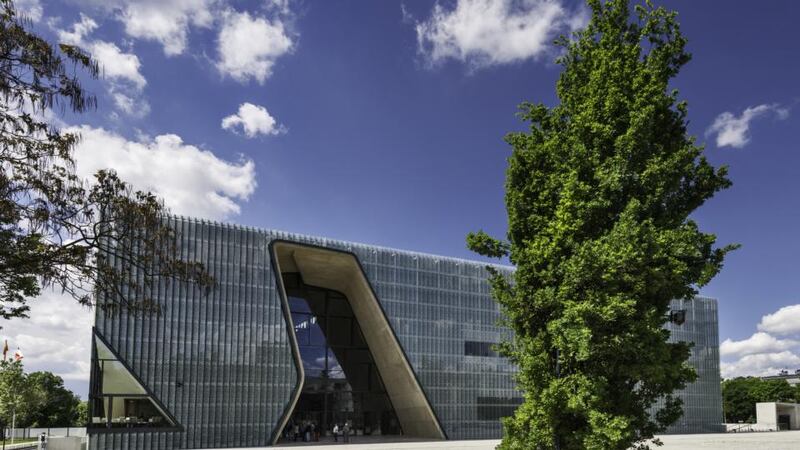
<point x="118" y="400"/>
<point x="342" y="382"/>
<point x="475" y="348"/>
<point x="493" y="408"/>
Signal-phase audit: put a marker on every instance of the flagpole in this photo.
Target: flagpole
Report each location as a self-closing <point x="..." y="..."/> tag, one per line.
<point x="13" y="423"/>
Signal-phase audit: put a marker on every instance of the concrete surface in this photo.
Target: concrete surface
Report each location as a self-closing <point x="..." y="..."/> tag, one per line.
<point x="340" y="271"/>
<point x="779" y="440"/>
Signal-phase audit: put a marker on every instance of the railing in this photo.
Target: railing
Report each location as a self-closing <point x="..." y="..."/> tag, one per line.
<point x="748" y="428"/>
<point x="28" y="433"/>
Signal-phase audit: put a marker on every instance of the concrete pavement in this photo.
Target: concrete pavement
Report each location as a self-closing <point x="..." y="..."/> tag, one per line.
<point x="781" y="440"/>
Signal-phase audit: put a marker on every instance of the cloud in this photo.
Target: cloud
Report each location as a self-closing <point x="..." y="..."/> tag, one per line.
<point x="117" y="65"/>
<point x="763" y="353"/>
<point x="489" y="32"/>
<point x="760" y="365"/>
<point x="784" y="321"/>
<point x="80" y="30"/>
<point x="733" y="131"/>
<point x="248" y="46"/>
<point x="56" y="338"/>
<point x="129" y="104"/>
<point x="278" y="6"/>
<point x="31" y="9"/>
<point x="121" y="70"/>
<point x="757" y="343"/>
<point x="166" y="21"/>
<point x="253" y="120"/>
<point x="192" y="181"/>
<point x="248" y="43"/>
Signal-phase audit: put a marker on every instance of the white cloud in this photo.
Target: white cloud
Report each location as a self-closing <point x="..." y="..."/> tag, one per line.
<point x="253" y="120"/>
<point x="129" y="104"/>
<point x="757" y="343"/>
<point x="249" y="45"/>
<point x="760" y="365"/>
<point x="278" y="6"/>
<point x="121" y="70"/>
<point x="79" y="31"/>
<point x="763" y="353"/>
<point x="166" y="21"/>
<point x="489" y="32"/>
<point x="733" y="131"/>
<point x="31" y="9"/>
<point x="190" y="180"/>
<point x="56" y="338"/>
<point x="784" y="321"/>
<point x="118" y="65"/>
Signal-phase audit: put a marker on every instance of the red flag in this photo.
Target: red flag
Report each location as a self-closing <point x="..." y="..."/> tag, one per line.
<point x="5" y="349"/>
<point x="18" y="355"/>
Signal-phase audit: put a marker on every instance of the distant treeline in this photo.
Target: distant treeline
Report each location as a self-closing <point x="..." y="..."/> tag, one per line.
<point x="740" y="395"/>
<point x="39" y="399"/>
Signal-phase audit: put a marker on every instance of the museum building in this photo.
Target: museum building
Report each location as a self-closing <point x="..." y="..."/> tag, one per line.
<point x="301" y="329"/>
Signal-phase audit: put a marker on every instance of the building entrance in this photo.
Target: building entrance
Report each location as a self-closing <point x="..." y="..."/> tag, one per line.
<point x="342" y="383"/>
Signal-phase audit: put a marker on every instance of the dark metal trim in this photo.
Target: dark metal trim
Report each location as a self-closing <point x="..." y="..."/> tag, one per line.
<point x="176" y="425"/>
<point x="383" y="311"/>
<point x="94" y="431"/>
<point x="287" y="317"/>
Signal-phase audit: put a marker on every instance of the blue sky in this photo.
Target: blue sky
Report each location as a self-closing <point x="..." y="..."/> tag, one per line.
<point x="382" y="122"/>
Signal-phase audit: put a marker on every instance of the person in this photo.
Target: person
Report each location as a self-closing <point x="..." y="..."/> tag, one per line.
<point x="307" y="433"/>
<point x="296" y="431"/>
<point x="313" y="431"/>
<point x="346" y="431"/>
<point x="336" y="432"/>
<point x="42" y="441"/>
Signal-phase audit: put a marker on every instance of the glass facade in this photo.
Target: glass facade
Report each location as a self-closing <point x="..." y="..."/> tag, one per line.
<point x="220" y="362"/>
<point x="342" y="383"/>
<point x="119" y="401"/>
<point x="702" y="400"/>
<point x="224" y="366"/>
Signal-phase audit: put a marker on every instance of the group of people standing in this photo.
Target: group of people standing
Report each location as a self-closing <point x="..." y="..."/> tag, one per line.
<point x="308" y="431"/>
<point x="343" y="430"/>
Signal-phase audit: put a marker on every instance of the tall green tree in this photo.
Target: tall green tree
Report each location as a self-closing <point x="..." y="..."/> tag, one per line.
<point x="599" y="191"/>
<point x="56" y="406"/>
<point x="16" y="396"/>
<point x="739" y="400"/>
<point x="55" y="229"/>
<point x="740" y="395"/>
<point x="38" y="399"/>
<point x="82" y="417"/>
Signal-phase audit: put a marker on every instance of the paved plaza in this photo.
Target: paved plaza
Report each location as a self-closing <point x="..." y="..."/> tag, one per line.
<point x="784" y="440"/>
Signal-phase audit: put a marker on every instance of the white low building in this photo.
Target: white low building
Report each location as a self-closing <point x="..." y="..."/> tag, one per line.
<point x="778" y="416"/>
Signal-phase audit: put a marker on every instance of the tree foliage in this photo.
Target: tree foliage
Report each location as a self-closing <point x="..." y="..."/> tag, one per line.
<point x="55" y="228"/>
<point x="56" y="406"/>
<point x="740" y="395"/>
<point x="15" y="393"/>
<point x="598" y="192"/>
<point x="82" y="415"/>
<point x="39" y="398"/>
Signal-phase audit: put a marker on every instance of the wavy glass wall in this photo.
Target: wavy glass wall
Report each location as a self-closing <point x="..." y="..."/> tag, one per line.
<point x="440" y="309"/>
<point x="702" y="400"/>
<point x="222" y="363"/>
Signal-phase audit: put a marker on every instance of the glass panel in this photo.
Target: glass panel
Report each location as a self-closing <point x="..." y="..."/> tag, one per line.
<point x="118" y="400"/>
<point x="341" y="381"/>
<point x="117" y="379"/>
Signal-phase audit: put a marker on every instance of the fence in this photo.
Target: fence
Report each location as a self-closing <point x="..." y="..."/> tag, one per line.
<point x="23" y="433"/>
